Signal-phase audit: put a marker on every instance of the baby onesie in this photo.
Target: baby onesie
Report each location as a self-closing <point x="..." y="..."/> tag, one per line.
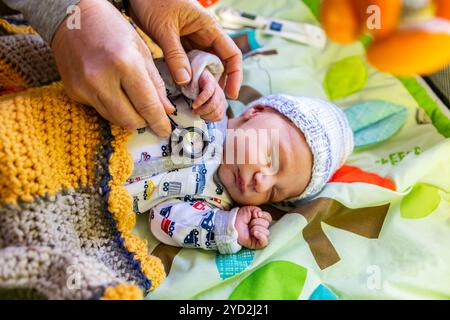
<point x="188" y="205"/>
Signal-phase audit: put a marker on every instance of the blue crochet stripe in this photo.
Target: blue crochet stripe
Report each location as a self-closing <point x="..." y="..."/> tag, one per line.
<point x="16" y="21"/>
<point x="144" y="282"/>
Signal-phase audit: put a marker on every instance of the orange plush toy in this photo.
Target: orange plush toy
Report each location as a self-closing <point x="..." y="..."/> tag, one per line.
<point x="409" y="36"/>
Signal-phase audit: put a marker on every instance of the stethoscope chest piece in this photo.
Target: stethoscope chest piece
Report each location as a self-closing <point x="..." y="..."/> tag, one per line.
<point x="190" y="142"/>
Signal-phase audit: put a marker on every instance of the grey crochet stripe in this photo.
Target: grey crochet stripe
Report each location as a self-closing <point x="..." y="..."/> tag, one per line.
<point x="32" y="58"/>
<point x="61" y="247"/>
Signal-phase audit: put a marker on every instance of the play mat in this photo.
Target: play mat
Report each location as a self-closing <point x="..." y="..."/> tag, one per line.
<point x="379" y="230"/>
<point x="381" y="227"/>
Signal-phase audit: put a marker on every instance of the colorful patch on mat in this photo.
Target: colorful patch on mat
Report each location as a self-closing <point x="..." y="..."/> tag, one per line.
<point x="420" y="202"/>
<point x="345" y="77"/>
<point x="375" y="121"/>
<point x="351" y="174"/>
<point x="229" y="265"/>
<point x="277" y="280"/>
<point x="322" y="293"/>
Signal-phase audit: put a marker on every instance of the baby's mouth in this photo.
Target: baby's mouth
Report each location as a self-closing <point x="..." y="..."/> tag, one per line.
<point x="239" y="182"/>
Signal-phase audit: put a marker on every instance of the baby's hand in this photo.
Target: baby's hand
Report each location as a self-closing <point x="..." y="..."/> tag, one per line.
<point x="211" y="103"/>
<point x="252" y="225"/>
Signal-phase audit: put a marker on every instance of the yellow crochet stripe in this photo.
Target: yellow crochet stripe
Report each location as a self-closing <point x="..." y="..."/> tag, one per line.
<point x="16" y="29"/>
<point x="47" y="143"/>
<point x="120" y="206"/>
<point x="9" y="75"/>
<point x="122" y="292"/>
<point x="154" y="48"/>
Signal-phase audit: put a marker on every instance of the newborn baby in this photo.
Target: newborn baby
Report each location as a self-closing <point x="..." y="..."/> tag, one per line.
<point x="281" y="148"/>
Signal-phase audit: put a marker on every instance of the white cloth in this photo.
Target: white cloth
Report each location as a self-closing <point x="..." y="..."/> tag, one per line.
<point x="171" y="194"/>
<point x="195" y="223"/>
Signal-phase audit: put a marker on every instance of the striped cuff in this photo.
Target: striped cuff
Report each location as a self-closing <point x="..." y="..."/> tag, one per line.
<point x="225" y="233"/>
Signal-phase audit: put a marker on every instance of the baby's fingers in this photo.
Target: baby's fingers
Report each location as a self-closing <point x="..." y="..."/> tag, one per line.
<point x="261" y="236"/>
<point x="259" y="222"/>
<point x="207" y="85"/>
<point x="262" y="215"/>
<point x="213" y="110"/>
<point x="256" y="211"/>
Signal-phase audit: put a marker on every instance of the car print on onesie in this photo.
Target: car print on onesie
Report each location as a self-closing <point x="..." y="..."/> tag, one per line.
<point x="191" y="239"/>
<point x="209" y="238"/>
<point x="165" y="212"/>
<point x="200" y="179"/>
<point x="168" y="226"/>
<point x="207" y="222"/>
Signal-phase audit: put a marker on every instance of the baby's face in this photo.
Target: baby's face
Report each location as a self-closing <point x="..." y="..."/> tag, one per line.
<point x="276" y="175"/>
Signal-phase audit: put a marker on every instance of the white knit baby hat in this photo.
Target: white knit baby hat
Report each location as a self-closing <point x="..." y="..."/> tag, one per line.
<point x="326" y="131"/>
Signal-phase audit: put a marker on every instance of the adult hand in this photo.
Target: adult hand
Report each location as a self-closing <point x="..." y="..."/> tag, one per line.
<point x="173" y="24"/>
<point x="106" y="64"/>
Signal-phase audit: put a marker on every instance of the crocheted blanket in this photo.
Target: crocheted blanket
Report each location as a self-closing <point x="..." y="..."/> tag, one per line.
<point x="65" y="218"/>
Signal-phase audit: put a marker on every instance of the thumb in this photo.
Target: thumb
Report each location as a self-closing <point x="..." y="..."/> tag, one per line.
<point x="176" y="58"/>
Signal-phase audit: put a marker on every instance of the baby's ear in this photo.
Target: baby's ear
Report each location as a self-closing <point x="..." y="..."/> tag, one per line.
<point x="252" y="112"/>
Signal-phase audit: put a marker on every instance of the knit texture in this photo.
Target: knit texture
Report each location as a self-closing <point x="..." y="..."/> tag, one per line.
<point x="65" y="218"/>
<point x="326" y="131"/>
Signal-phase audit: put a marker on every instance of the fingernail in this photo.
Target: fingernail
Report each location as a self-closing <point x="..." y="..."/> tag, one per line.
<point x="167" y="132"/>
<point x="164" y="131"/>
<point x="168" y="106"/>
<point x="172" y="109"/>
<point x="182" y="76"/>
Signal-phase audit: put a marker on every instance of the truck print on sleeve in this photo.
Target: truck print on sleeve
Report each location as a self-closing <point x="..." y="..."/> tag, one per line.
<point x="191" y="239"/>
<point x="168" y="226"/>
<point x="207" y="222"/>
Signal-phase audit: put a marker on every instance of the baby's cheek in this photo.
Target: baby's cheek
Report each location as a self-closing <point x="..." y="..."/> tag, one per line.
<point x="250" y="198"/>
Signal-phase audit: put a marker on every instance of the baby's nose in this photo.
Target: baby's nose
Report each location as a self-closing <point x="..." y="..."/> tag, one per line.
<point x="263" y="182"/>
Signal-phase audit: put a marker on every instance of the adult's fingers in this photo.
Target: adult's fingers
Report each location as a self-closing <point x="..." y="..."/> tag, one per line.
<point x="160" y="87"/>
<point x="229" y="53"/>
<point x="176" y="57"/>
<point x="118" y="109"/>
<point x="145" y="99"/>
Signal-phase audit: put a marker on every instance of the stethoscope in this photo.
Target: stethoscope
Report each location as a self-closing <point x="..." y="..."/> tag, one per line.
<point x="190" y="142"/>
<point x="187" y="144"/>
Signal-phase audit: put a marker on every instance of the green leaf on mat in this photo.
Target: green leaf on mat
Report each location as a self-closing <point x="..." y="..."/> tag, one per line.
<point x="345" y="77"/>
<point x="420" y="202"/>
<point x="375" y="121"/>
<point x="277" y="280"/>
<point x="314" y="6"/>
